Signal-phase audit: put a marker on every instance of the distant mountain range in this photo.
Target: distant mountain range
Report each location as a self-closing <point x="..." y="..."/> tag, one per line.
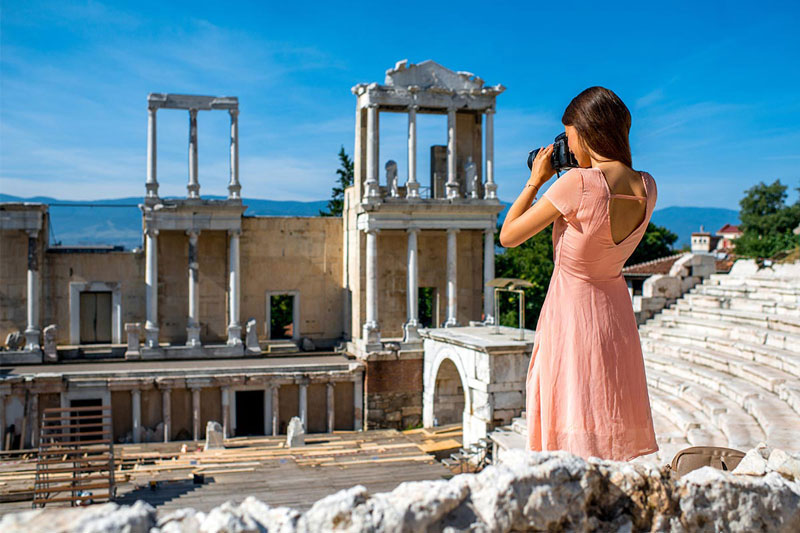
<point x="76" y="222"/>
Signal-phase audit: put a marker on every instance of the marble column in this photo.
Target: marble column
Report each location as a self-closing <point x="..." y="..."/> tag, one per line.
<point x="35" y="422"/>
<point x="32" y="331"/>
<point x="303" y="405"/>
<point x="491" y="186"/>
<point x="276" y="412"/>
<point x="234" y="326"/>
<point x="151" y="287"/>
<point x="193" y="322"/>
<point x="166" y="413"/>
<point x="452" y="183"/>
<point x="267" y="411"/>
<point x="234" y="188"/>
<point x="488" y="275"/>
<point x="452" y="272"/>
<point x="411" y="326"/>
<point x="195" y="413"/>
<point x="412" y="187"/>
<point x="358" y="402"/>
<point x="136" y="415"/>
<point x="372" y="188"/>
<point x="152" y="182"/>
<point x="194" y="185"/>
<point x="2" y="422"/>
<point x="329" y="406"/>
<point x="226" y="411"/>
<point x="371" y="330"/>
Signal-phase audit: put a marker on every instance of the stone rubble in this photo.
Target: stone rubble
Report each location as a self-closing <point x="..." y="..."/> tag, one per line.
<point x="552" y="491"/>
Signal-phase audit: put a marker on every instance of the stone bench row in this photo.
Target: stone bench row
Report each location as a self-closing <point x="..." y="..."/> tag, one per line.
<point x="785" y="323"/>
<point x="785" y="386"/>
<point x="738" y="426"/>
<point x="705" y="298"/>
<point x="746" y="292"/>
<point x="780" y="286"/>
<point x="696" y="428"/>
<point x="767" y="358"/>
<point x="743" y="332"/>
<point x="780" y="422"/>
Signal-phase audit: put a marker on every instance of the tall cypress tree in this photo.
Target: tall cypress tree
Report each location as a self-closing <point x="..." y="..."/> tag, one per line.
<point x="345" y="179"/>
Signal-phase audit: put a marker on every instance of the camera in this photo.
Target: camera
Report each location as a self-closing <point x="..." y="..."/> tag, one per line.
<point x="561" y="158"/>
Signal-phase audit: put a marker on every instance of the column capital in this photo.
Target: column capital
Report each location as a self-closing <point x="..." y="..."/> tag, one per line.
<point x="193" y="113"/>
<point x="237" y="232"/>
<point x="489" y="111"/>
<point x="193" y="233"/>
<point x="151" y="232"/>
<point x="152" y="108"/>
<point x="372" y="230"/>
<point x="234" y="112"/>
<point x="453" y="230"/>
<point x="413" y="107"/>
<point x="371" y="105"/>
<point x="490" y="231"/>
<point x="413" y="230"/>
<point x="32" y="233"/>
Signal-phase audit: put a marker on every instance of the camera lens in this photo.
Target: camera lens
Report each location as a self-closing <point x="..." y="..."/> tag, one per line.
<point x="531" y="157"/>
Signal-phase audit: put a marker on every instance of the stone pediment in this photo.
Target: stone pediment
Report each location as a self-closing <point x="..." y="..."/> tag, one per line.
<point x="429" y="74"/>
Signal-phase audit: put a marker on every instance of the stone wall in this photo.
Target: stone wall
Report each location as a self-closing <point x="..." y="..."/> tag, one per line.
<point x="393" y="391"/>
<point x="14" y="279"/>
<point x="534" y="491"/>
<point x="295" y="254"/>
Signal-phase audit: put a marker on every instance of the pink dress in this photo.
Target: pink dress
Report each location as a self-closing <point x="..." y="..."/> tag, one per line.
<point x="586" y="388"/>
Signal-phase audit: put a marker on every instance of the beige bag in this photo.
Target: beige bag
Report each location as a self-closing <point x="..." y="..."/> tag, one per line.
<point x="696" y="457"/>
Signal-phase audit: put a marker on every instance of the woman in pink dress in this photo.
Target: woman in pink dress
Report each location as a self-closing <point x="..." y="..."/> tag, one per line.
<point x="586" y="387"/>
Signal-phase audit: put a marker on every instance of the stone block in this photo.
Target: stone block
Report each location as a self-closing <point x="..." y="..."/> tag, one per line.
<point x="662" y="285"/>
<point x="133" y="332"/>
<point x="688" y="282"/>
<point x="251" y="337"/>
<point x="50" y="350"/>
<point x="743" y="268"/>
<point x="295" y="433"/>
<point x="214" y="437"/>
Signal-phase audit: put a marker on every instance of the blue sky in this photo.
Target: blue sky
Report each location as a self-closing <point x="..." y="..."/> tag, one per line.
<point x="713" y="88"/>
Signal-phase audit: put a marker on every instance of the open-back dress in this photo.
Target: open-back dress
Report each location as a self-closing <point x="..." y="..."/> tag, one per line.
<point x="586" y="388"/>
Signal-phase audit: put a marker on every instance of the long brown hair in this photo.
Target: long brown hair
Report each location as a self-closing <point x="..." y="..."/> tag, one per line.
<point x="603" y="123"/>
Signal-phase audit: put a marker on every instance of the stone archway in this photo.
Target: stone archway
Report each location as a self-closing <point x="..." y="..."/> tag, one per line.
<point x="448" y="395"/>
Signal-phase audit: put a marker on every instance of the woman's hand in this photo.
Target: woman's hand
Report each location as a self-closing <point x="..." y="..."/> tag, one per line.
<point x="542" y="167"/>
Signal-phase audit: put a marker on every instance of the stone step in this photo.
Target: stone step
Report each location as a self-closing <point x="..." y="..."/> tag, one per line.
<point x="747" y="333"/>
<point x="781" y="424"/>
<point x="786" y="323"/>
<point x="784" y="360"/>
<point x="738" y="426"/>
<point x="787" y="286"/>
<point x="712" y="297"/>
<point x="698" y="430"/>
<point x="769" y="378"/>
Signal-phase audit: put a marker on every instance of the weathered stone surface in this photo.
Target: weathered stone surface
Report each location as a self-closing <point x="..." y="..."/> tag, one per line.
<point x="295" y="433"/>
<point x="214" y="437"/>
<point x="50" y="351"/>
<point x="539" y="491"/>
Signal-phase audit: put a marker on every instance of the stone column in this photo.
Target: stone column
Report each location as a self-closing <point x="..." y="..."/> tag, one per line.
<point x="193" y="323"/>
<point x="452" y="271"/>
<point x="166" y="413"/>
<point x="488" y="275"/>
<point x="267" y="411"/>
<point x="303" y="405"/>
<point x="234" y="327"/>
<point x="35" y="420"/>
<point x="32" y="331"/>
<point x="276" y="420"/>
<point x="329" y="405"/>
<point x="152" y="183"/>
<point x="412" y="291"/>
<point x="226" y="411"/>
<point x="2" y="422"/>
<point x="371" y="330"/>
<point x="372" y="190"/>
<point x="151" y="287"/>
<point x="195" y="413"/>
<point x="491" y="187"/>
<point x="136" y="415"/>
<point x="194" y="186"/>
<point x="412" y="187"/>
<point x="234" y="187"/>
<point x="452" y="183"/>
<point x="358" y="402"/>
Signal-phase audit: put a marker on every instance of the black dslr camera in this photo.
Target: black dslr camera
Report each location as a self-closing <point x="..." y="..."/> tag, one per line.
<point x="561" y="158"/>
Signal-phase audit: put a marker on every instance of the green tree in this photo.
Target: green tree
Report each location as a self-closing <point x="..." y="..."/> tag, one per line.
<point x="656" y="242"/>
<point x="767" y="221"/>
<point x="345" y="179"/>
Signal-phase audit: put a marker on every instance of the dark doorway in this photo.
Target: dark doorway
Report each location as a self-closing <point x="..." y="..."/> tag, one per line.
<point x="96" y="418"/>
<point x="249" y="413"/>
<point x="96" y="317"/>
<point x="427" y="306"/>
<point x="281" y="313"/>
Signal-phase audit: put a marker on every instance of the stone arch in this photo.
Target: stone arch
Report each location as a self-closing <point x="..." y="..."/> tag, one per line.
<point x="444" y="358"/>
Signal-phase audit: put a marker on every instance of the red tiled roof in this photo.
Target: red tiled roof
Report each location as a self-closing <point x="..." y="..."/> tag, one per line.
<point x="661" y="265"/>
<point x="729" y="228"/>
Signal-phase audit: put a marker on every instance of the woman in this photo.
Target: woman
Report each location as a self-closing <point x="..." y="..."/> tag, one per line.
<point x="586" y="387"/>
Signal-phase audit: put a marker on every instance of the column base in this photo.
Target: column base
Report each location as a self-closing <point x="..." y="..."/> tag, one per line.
<point x="370" y="333"/>
<point x="411" y="331"/>
<point x="151" y="336"/>
<point x="193" y="336"/>
<point x="412" y="190"/>
<point x="451" y="323"/>
<point x="193" y="191"/>
<point x="235" y="335"/>
<point x="490" y="191"/>
<point x="452" y="190"/>
<point x="234" y="191"/>
<point x="32" y="340"/>
<point x="489" y="321"/>
<point x="151" y="197"/>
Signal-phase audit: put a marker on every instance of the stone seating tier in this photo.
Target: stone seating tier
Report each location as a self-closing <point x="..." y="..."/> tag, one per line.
<point x="789" y="324"/>
<point x="713" y="297"/>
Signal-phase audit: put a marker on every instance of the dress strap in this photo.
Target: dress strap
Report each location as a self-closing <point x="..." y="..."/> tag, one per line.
<point x="631" y="196"/>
